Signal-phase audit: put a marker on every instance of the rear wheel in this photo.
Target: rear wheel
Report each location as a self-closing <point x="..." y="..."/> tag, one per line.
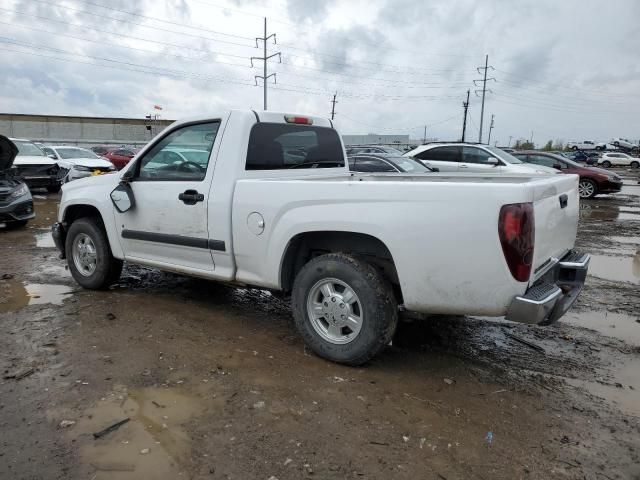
<point x="587" y="188"/>
<point x="344" y="308"/>
<point x="574" y="148"/>
<point x="635" y="164"/>
<point x="89" y="255"/>
<point x="606" y="164"/>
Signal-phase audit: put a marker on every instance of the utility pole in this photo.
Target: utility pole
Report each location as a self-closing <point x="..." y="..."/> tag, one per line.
<point x="531" y="139"/>
<point x="484" y="89"/>
<point x="333" y="106"/>
<point x="510" y="137"/>
<point x="465" y="105"/>
<point x="264" y="59"/>
<point x="491" y="125"/>
<point x="424" y="138"/>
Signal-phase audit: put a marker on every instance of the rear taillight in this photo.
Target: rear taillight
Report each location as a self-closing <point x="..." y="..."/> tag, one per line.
<point x="516" y="228"/>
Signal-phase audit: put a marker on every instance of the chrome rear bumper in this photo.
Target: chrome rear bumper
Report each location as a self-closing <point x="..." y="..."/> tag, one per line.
<point x="553" y="294"/>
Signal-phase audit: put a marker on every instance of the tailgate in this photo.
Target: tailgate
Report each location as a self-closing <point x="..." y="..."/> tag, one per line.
<point x="556" y="208"/>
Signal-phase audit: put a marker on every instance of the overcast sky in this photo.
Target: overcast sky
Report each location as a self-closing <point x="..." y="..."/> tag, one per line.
<point x="565" y="70"/>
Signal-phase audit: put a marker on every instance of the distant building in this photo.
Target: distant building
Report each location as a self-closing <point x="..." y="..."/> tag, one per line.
<point x="372" y="138"/>
<point x="77" y="130"/>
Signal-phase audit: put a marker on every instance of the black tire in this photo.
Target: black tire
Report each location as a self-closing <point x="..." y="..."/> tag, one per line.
<point x="574" y="148"/>
<point x="53" y="188"/>
<point x="593" y="191"/>
<point x="599" y="148"/>
<point x="635" y="164"/>
<point x="379" y="307"/>
<point x="606" y="164"/>
<point x="108" y="268"/>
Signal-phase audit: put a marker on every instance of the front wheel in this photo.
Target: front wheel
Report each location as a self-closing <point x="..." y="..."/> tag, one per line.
<point x="344" y="308"/>
<point x="587" y="188"/>
<point x="635" y="164"/>
<point x="606" y="164"/>
<point x="89" y="256"/>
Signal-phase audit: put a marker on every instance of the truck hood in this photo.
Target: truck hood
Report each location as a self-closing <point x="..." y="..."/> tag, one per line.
<point x="85" y="162"/>
<point x="8" y="153"/>
<point x="97" y="181"/>
<point x="29" y="160"/>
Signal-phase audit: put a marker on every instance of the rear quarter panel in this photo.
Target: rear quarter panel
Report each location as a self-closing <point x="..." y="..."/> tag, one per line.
<point x="443" y="235"/>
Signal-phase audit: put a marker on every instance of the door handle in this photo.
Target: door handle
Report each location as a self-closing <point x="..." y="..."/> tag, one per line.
<point x="191" y="197"/>
<point x="463" y="166"/>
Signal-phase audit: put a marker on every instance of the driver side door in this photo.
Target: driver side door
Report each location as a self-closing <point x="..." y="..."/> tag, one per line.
<point x="168" y="225"/>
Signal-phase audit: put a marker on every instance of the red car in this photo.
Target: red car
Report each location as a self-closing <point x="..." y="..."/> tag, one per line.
<point x="120" y="157"/>
<point x="593" y="180"/>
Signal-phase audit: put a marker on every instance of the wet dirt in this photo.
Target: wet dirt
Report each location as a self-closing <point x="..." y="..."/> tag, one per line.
<point x="218" y="385"/>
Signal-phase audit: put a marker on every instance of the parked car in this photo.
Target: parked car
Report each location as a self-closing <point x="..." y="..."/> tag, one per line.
<point x="100" y="150"/>
<point x="587" y="145"/>
<point x="76" y="162"/>
<point x="625" y="145"/>
<point x="349" y="248"/>
<point x="373" y="149"/>
<point x="593" y="181"/>
<point x="590" y="158"/>
<point x="385" y="163"/>
<point x="120" y="157"/>
<point x="16" y="204"/>
<point x="36" y="168"/>
<point x="472" y="158"/>
<point x="618" y="159"/>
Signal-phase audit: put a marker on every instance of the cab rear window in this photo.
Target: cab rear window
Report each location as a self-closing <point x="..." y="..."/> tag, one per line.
<point x="276" y="146"/>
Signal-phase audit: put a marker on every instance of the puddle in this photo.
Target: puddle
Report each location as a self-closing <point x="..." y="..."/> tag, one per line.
<point x="617" y="325"/>
<point x="152" y="445"/>
<point x="16" y="295"/>
<point x="631" y="209"/>
<point x="617" y="269"/>
<point x="44" y="240"/>
<point x="627" y="399"/>
<point x="633" y="217"/>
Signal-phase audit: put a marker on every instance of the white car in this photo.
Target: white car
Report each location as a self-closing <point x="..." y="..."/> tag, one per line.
<point x="618" y="159"/>
<point x="350" y="248"/>
<point x="624" y="144"/>
<point x="587" y="145"/>
<point x="76" y="162"/>
<point x="473" y="158"/>
<point x="36" y="168"/>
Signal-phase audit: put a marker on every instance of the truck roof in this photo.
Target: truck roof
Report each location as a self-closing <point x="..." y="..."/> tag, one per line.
<point x="259" y="116"/>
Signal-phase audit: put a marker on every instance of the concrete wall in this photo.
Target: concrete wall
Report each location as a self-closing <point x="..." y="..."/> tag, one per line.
<point x="54" y="129"/>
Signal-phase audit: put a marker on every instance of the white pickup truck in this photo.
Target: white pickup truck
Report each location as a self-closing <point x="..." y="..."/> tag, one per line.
<point x="265" y="199"/>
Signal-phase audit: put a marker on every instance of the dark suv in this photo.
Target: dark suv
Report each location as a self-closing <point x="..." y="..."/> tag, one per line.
<point x="593" y="180"/>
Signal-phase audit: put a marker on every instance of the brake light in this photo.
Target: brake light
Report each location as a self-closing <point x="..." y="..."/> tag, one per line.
<point x="298" y="120"/>
<point x="516" y="229"/>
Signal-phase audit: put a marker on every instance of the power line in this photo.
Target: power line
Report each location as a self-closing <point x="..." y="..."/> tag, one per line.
<point x="265" y="58"/>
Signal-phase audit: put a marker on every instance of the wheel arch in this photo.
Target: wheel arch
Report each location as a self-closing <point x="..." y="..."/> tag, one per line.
<point x="74" y="212"/>
<point x="308" y="245"/>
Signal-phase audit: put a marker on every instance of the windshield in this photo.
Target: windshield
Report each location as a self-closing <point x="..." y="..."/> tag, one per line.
<point x="408" y="165"/>
<point x="76" y="153"/>
<point x="28" y="149"/>
<point x="502" y="155"/>
<point x="391" y="151"/>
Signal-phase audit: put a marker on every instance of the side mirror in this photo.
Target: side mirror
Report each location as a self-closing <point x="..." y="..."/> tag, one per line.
<point x="122" y="198"/>
<point x="493" y="161"/>
<point x="557" y="166"/>
<point x="52" y="156"/>
<point x="435" y="169"/>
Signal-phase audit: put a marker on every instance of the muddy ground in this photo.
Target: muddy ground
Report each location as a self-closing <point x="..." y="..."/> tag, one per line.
<point x="217" y="385"/>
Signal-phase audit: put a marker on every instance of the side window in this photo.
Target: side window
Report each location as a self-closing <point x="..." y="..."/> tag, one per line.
<point x="442" y="154"/>
<point x="542" y="160"/>
<point x="48" y="151"/>
<point x="277" y="146"/>
<point x="369" y="164"/>
<point x="183" y="155"/>
<point x="475" y="155"/>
